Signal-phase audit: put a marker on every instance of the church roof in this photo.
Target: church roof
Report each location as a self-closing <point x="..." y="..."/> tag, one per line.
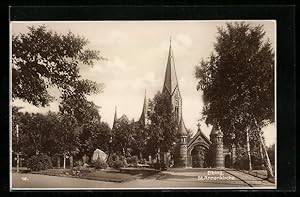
<point x="197" y="135"/>
<point x="214" y="131"/>
<point x="182" y="129"/>
<point x="144" y="111"/>
<point x="170" y="82"/>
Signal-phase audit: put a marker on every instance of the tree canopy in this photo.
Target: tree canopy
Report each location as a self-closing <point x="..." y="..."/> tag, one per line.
<point x="237" y="80"/>
<point x="163" y="126"/>
<point x="42" y="59"/>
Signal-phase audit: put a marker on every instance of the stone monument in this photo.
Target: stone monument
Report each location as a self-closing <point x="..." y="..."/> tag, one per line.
<point x="99" y="154"/>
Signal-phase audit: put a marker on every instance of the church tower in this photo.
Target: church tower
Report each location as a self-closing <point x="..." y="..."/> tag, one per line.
<point x="171" y="88"/>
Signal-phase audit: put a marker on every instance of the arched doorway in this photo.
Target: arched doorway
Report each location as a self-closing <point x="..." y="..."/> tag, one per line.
<point x="227" y="161"/>
<point x="199" y="156"/>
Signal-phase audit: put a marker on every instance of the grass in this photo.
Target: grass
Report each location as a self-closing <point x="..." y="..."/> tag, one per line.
<point x="109" y="176"/>
<point x="54" y="172"/>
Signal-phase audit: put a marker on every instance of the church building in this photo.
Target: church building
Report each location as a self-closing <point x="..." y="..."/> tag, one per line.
<point x="200" y="151"/>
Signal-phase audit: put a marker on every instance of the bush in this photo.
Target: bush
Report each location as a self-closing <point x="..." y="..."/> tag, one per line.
<point x="117" y="162"/>
<point x="132" y="160"/>
<point x="99" y="164"/>
<point x="78" y="163"/>
<point x="158" y="166"/>
<point x="39" y="162"/>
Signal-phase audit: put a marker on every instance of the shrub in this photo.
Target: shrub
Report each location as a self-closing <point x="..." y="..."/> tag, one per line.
<point x="158" y="166"/>
<point x="39" y="162"/>
<point x="116" y="161"/>
<point x="132" y="160"/>
<point x="78" y="163"/>
<point x="99" y="164"/>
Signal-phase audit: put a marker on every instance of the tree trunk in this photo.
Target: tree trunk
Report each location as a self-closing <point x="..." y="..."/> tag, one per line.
<point x="266" y="157"/>
<point x="158" y="155"/>
<point x="264" y="150"/>
<point x="18" y="161"/>
<point x="124" y="152"/>
<point x="64" y="160"/>
<point x="141" y="156"/>
<point x="58" y="162"/>
<point x="71" y="161"/>
<point x="261" y="154"/>
<point x="248" y="149"/>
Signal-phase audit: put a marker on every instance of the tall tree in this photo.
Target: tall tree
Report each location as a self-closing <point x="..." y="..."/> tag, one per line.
<point x="238" y="82"/>
<point x="122" y="135"/>
<point x="163" y="126"/>
<point x="42" y="58"/>
<point x="140" y="136"/>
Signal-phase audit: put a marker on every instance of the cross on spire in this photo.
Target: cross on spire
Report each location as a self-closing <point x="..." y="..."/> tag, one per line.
<point x="198" y="125"/>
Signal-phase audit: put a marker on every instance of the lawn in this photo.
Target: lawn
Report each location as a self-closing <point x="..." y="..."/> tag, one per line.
<point x="110" y="175"/>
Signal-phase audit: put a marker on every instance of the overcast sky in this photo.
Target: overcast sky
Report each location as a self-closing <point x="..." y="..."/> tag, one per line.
<point x="136" y="55"/>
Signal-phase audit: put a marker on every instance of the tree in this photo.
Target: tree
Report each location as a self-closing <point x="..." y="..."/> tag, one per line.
<point x="68" y="136"/>
<point x="37" y="132"/>
<point x="140" y="138"/>
<point x="271" y="153"/>
<point x="94" y="135"/>
<point x="122" y="135"/>
<point x="163" y="126"/>
<point x="103" y="137"/>
<point x="43" y="58"/>
<point x="238" y="82"/>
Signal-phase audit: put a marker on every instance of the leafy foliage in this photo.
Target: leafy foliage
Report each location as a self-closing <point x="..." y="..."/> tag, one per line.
<point x="238" y="81"/>
<point x="140" y="138"/>
<point x="99" y="164"/>
<point x="39" y="162"/>
<point x="116" y="161"/>
<point x="162" y="127"/>
<point x="271" y="153"/>
<point x="94" y="135"/>
<point x="43" y="58"/>
<point x="132" y="160"/>
<point x="122" y="135"/>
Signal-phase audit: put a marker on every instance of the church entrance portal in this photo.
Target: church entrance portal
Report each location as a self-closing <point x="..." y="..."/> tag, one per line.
<point x="227" y="161"/>
<point x="199" y="157"/>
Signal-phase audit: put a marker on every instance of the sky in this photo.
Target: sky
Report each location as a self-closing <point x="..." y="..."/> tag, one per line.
<point x="136" y="57"/>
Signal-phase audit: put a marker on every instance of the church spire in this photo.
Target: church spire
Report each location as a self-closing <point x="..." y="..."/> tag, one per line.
<point x="182" y="129"/>
<point x="144" y="111"/>
<point x="115" y="117"/>
<point x="170" y="82"/>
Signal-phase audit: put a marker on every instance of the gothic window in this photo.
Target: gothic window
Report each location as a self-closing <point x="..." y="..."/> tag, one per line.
<point x="176" y="111"/>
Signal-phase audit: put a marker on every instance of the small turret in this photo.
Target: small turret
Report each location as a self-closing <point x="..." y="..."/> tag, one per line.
<point x="183" y="144"/>
<point x="216" y="137"/>
<point x="182" y="129"/>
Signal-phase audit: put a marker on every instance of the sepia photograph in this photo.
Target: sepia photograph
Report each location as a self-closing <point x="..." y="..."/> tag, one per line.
<point x="123" y="105"/>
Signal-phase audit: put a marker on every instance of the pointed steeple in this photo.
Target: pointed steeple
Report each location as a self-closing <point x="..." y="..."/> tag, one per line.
<point x="144" y="111"/>
<point x="170" y="82"/>
<point x="182" y="129"/>
<point x="115" y="117"/>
